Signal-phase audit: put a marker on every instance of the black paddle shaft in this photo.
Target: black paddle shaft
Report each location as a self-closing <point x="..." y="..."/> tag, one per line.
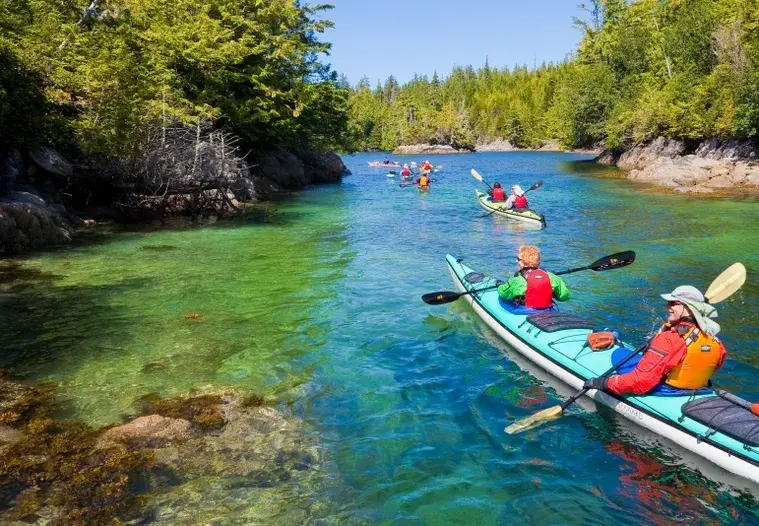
<point x="618" y="260"/>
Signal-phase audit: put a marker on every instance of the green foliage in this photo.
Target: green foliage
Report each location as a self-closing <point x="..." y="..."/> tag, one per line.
<point x="129" y="67"/>
<point x="581" y="106"/>
<point x="23" y="105"/>
<point x="685" y="69"/>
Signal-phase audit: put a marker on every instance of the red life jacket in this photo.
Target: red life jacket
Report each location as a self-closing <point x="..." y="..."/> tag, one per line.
<point x="520" y="201"/>
<point x="539" y="293"/>
<point x="498" y="194"/>
<point x="405" y="172"/>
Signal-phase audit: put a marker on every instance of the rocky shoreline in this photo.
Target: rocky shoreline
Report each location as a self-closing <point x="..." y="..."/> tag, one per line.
<point x="45" y="198"/>
<point x="495" y="145"/>
<point x="424" y="149"/>
<point x="709" y="167"/>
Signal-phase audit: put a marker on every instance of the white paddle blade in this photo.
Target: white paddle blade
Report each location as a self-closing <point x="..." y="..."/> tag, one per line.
<point x="727" y="283"/>
<point x="476" y="175"/>
<point x="535" y="420"/>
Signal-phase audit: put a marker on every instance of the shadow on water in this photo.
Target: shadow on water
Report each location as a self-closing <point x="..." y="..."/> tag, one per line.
<point x="590" y="168"/>
<point x="43" y="320"/>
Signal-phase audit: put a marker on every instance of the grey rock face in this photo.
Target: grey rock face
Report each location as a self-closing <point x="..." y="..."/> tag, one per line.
<point x="51" y="161"/>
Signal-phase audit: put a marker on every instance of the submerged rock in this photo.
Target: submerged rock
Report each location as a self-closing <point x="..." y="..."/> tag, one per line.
<point x="147" y="431"/>
<point x="250" y="460"/>
<point x="21" y="403"/>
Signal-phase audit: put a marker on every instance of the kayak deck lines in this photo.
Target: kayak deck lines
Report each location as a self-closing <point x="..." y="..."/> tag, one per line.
<point x="664" y="415"/>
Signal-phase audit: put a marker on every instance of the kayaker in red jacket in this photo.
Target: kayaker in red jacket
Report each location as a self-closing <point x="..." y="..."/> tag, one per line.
<point x="517" y="200"/>
<point x="498" y="194"/>
<point x="406" y="172"/>
<point x="683" y="355"/>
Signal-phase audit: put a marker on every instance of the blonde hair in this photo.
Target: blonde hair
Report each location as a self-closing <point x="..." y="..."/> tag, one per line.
<point x="530" y="255"/>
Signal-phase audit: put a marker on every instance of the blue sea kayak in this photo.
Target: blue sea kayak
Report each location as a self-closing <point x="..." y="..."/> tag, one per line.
<point x="719" y="430"/>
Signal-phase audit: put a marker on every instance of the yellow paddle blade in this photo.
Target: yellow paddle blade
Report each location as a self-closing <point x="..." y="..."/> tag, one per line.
<point x="727" y="283"/>
<point x="534" y="420"/>
<point x="476" y="175"/>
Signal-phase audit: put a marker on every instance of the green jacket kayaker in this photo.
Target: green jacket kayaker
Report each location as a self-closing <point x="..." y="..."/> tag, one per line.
<point x="533" y="286"/>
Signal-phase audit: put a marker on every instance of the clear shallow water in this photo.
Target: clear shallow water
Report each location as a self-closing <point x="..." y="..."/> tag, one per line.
<point x="315" y="304"/>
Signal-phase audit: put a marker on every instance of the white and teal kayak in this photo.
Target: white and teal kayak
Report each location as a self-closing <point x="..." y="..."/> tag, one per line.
<point x="525" y="216"/>
<point x="711" y="426"/>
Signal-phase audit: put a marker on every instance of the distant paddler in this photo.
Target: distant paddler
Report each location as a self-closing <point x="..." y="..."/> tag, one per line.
<point x="423" y="181"/>
<point x="497" y="194"/>
<point x="517" y="200"/>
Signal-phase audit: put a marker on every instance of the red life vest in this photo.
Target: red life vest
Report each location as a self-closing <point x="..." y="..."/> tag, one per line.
<point x="520" y="201"/>
<point x="539" y="293"/>
<point x="405" y="172"/>
<point x="498" y="194"/>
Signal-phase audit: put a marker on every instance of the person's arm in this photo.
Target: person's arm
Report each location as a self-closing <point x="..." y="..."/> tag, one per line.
<point x="515" y="287"/>
<point x="722" y="355"/>
<point x="664" y="353"/>
<point x="560" y="289"/>
<point x="509" y="202"/>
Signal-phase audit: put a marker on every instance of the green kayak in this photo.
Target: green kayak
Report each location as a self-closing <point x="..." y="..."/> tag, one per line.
<point x="524" y="216"/>
<point x="714" y="427"/>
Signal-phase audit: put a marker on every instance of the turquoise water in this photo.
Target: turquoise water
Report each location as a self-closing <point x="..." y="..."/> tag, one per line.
<point x="314" y="303"/>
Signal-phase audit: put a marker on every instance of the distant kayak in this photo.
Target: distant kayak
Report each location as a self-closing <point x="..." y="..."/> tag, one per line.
<point x="525" y="216"/>
<point x="378" y="164"/>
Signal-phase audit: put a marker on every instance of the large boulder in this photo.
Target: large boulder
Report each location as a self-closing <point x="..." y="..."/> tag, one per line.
<point x="280" y="167"/>
<point x="323" y="168"/>
<point x="277" y="170"/>
<point x="28" y="222"/>
<point x="727" y="151"/>
<point x="51" y="162"/>
<point x="607" y="158"/>
<point x="641" y="156"/>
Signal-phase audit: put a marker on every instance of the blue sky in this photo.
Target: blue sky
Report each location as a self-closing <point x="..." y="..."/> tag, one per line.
<point x="377" y="38"/>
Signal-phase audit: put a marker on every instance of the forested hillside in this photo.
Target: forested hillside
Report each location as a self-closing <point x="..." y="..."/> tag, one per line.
<point x="684" y="69"/>
<point x="109" y="77"/>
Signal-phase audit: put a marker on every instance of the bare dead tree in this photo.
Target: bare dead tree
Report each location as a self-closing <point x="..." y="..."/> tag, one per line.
<point x="181" y="170"/>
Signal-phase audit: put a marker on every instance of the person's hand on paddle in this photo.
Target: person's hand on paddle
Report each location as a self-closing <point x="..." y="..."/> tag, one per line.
<point x="595" y="383"/>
